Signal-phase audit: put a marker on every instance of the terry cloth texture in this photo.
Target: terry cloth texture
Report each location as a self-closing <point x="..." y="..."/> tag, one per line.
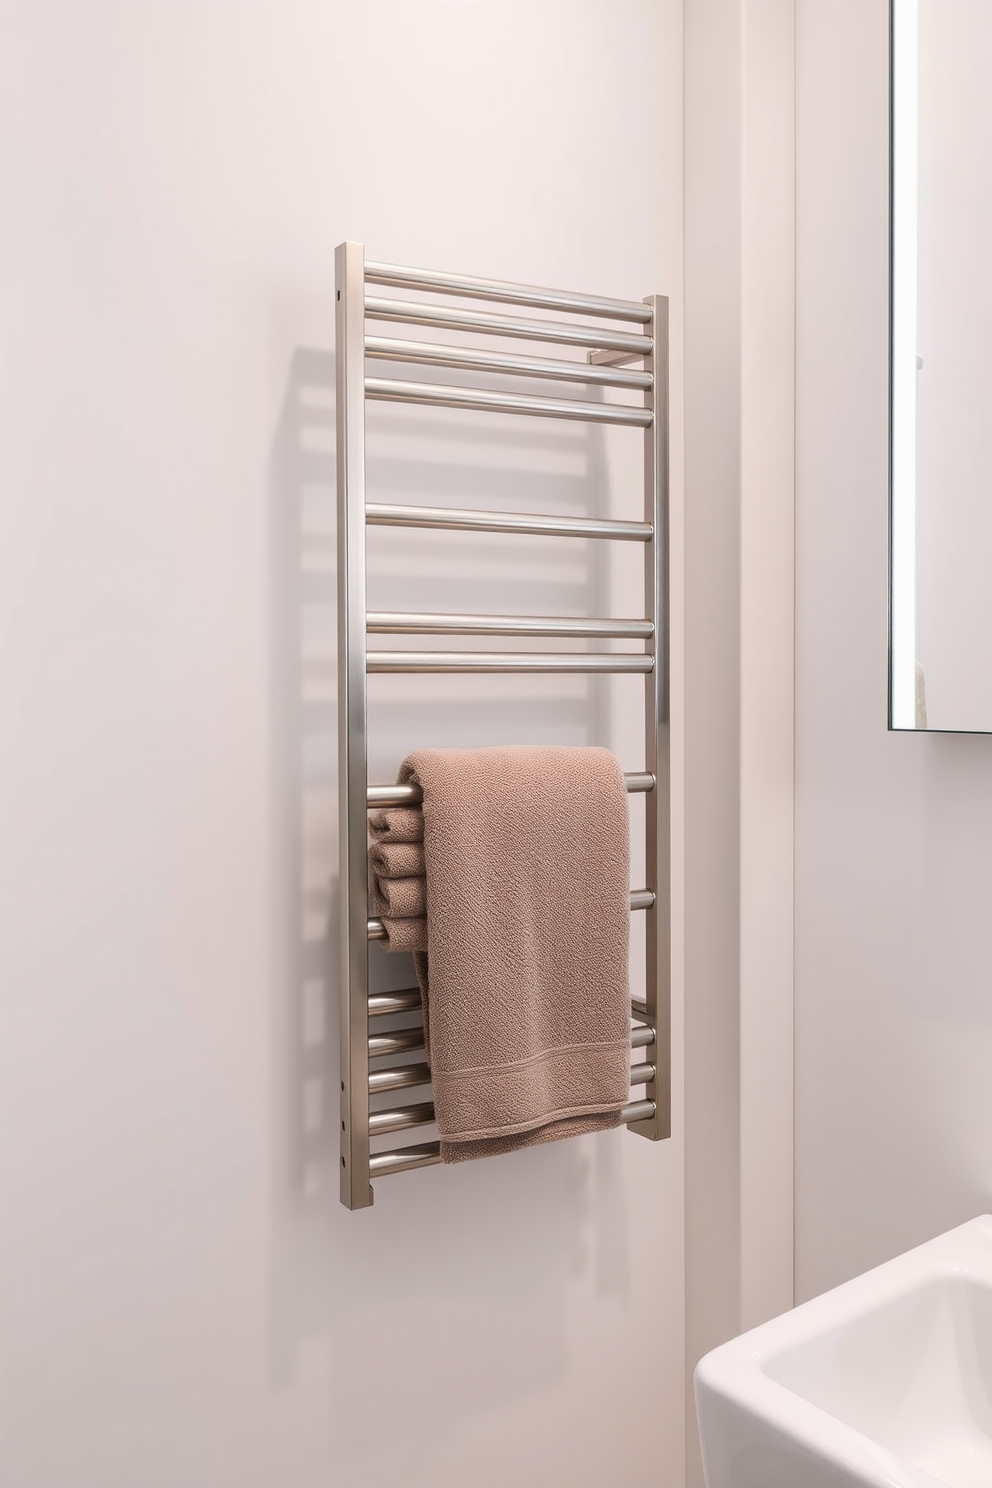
<point x="398" y="824"/>
<point x="525" y="983"/>
<point x="392" y="859"/>
<point x="399" y="898"/>
<point x="398" y="891"/>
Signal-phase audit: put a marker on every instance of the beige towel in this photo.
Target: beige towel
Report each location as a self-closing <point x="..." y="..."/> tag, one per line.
<point x="526" y="998"/>
<point x="398" y="891"/>
<point x="405" y="935"/>
<point x="398" y="898"/>
<point x="398" y="824"/>
<point x="397" y="859"/>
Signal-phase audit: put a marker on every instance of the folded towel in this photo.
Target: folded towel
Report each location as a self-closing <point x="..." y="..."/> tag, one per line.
<point x="525" y="989"/>
<point x="406" y="935"/>
<point x="399" y="898"/>
<point x="398" y="891"/>
<point x="398" y="824"/>
<point x="397" y="859"/>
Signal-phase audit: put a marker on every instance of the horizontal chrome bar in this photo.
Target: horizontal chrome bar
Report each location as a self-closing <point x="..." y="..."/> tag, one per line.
<point x="381" y="1122"/>
<point x="403" y="1041"/>
<point x="422" y="1156"/>
<point x="520" y="326"/>
<point x="642" y="1074"/>
<point x="405" y="1001"/>
<point x="443" y="395"/>
<point x="381" y="622"/>
<point x="452" y="519"/>
<point x="411" y="795"/>
<point x="639" y="1008"/>
<point x="498" y="289"/>
<point x="639" y="899"/>
<point x="427" y="1153"/>
<point x="640" y="1037"/>
<point x="506" y="661"/>
<point x="468" y="359"/>
<point x="400" y="1078"/>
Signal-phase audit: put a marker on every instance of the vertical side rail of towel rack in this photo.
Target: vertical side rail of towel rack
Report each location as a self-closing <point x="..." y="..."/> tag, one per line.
<point x="657" y="854"/>
<point x="349" y="266"/>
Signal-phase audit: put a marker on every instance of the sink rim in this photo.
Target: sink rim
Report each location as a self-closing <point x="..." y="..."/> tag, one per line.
<point x="735" y="1371"/>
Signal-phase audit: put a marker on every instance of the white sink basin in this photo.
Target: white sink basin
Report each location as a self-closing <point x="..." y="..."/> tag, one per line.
<point x="885" y="1381"/>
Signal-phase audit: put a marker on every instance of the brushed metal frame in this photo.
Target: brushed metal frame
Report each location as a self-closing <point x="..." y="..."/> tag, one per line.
<point x="469" y="359"/>
<point x="410" y="795"/>
<point x="508" y="661"/>
<point x="443" y="395"/>
<point x="412" y="312"/>
<point x="657" y="748"/>
<point x="451" y="519"/>
<point x="392" y="622"/>
<point x="441" y="282"/>
<point x="349" y="266"/>
<point x="608" y="351"/>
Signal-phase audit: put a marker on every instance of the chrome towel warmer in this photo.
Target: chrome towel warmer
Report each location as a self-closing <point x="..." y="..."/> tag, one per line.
<point x="609" y="355"/>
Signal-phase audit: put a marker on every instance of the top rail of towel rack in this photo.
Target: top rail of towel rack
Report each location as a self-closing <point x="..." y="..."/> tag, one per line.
<point x="511" y="294"/>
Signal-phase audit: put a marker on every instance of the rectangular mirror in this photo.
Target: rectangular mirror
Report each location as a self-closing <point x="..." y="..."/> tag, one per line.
<point x="941" y="366"/>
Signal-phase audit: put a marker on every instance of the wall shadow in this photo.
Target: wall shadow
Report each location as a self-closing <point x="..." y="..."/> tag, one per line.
<point x="489" y="1247"/>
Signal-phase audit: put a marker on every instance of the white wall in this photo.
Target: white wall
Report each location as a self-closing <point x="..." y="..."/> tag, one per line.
<point x="893" y="831"/>
<point x="182" y="1300"/>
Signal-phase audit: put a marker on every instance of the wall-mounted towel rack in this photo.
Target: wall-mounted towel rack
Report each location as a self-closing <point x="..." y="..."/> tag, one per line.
<point x="609" y="353"/>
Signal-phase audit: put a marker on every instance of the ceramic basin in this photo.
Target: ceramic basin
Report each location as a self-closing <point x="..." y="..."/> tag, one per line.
<point x="884" y="1381"/>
